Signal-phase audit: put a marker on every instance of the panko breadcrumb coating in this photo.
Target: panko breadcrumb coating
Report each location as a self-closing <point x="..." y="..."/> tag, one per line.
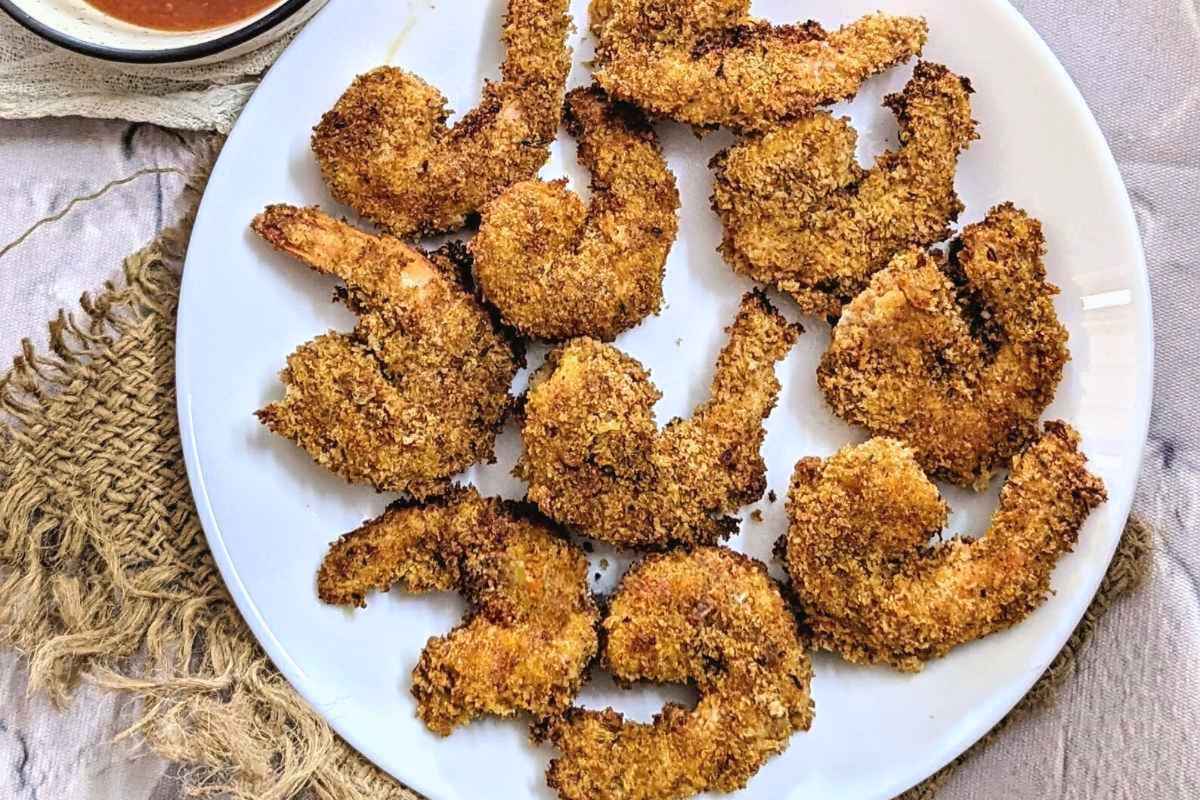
<point x="419" y="390"/>
<point x="712" y="618"/>
<point x="596" y="461"/>
<point x="957" y="357"/>
<point x="530" y="633"/>
<point x="386" y="152"/>
<point x="556" y="268"/>
<point x="708" y="62"/>
<point x="802" y="215"/>
<point x="875" y="591"/>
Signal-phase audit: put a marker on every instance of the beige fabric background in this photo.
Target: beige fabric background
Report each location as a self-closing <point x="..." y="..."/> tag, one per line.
<point x="1122" y="728"/>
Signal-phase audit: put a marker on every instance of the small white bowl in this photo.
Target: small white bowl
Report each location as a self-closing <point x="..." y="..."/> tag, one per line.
<point x="84" y="29"/>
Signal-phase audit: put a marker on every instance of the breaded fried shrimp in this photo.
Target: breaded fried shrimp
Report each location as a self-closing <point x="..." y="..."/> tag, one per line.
<point x="419" y="390"/>
<point x="712" y="618"/>
<point x="557" y="269"/>
<point x="595" y="459"/>
<point x="957" y="357"/>
<point x="710" y="63"/>
<point x="800" y="214"/>
<point x="385" y="151"/>
<point x="872" y="588"/>
<point x="530" y="633"/>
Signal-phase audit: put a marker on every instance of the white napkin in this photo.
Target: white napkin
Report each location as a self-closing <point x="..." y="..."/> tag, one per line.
<point x="38" y="79"/>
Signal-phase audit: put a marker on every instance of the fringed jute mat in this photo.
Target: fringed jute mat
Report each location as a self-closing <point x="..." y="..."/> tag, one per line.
<point x="105" y="575"/>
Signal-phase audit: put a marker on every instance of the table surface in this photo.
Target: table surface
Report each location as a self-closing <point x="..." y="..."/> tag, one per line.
<point x="81" y="194"/>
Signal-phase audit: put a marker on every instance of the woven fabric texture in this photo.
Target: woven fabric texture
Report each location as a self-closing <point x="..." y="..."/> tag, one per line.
<point x="38" y="79"/>
<point x="106" y="574"/>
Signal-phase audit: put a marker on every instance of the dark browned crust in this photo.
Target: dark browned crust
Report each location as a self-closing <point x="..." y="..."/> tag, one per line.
<point x="959" y="356"/>
<point x="529" y="635"/>
<point x="874" y="590"/>
<point x="716" y="620"/>
<point x="556" y="269"/>
<point x="420" y="389"/>
<point x="384" y="149"/>
<point x="596" y="461"/>
<point x="800" y="214"/>
<point x="711" y="63"/>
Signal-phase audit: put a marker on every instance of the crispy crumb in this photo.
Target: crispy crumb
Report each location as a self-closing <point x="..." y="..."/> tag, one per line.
<point x="530" y="633"/>
<point x="595" y="459"/>
<point x="556" y="268"/>
<point x="871" y="587"/>
<point x="756" y="515"/>
<point x="385" y="150"/>
<point x="771" y="496"/>
<point x="957" y="357"/>
<point x="711" y="63"/>
<point x="800" y="214"/>
<point x="419" y="390"/>
<point x="712" y="618"/>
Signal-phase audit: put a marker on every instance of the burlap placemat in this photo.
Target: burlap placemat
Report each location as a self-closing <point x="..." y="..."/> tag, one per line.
<point x="105" y="575"/>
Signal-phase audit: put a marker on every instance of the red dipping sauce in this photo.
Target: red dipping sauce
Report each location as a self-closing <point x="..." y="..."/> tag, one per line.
<point x="181" y="15"/>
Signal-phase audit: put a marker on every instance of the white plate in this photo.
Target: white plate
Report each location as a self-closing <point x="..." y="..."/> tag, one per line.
<point x="270" y="513"/>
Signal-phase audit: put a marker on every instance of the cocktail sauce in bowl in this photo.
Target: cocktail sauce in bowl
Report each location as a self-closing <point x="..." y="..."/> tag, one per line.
<point x="160" y="31"/>
<point x="181" y="15"/>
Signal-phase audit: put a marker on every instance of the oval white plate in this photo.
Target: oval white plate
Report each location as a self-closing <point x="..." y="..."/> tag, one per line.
<point x="270" y="513"/>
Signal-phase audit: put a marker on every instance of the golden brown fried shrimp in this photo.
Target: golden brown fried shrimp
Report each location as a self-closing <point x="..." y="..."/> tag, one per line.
<point x="957" y="357"/>
<point x="874" y="591"/>
<point x="557" y="269"/>
<point x="595" y="459"/>
<point x="710" y="63"/>
<point x="386" y="152"/>
<point x="530" y="633"/>
<point x="712" y="618"/>
<point x="419" y="390"/>
<point x="802" y="215"/>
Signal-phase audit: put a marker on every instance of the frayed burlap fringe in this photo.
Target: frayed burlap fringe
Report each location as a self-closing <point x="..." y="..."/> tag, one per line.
<point x="105" y="575"/>
<point x="104" y="572"/>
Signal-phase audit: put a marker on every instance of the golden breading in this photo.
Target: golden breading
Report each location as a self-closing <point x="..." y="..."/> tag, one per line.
<point x="712" y="618"/>
<point x="802" y="215"/>
<point x="872" y="588"/>
<point x="710" y="63"/>
<point x="557" y="269"/>
<point x="595" y="459"/>
<point x="419" y="390"/>
<point x="956" y="357"/>
<point x="530" y="633"/>
<point x="386" y="152"/>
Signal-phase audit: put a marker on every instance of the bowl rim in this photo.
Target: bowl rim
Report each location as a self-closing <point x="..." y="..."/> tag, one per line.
<point x="123" y="55"/>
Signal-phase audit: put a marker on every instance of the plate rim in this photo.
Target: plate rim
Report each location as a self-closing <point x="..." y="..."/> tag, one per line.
<point x="999" y="703"/>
